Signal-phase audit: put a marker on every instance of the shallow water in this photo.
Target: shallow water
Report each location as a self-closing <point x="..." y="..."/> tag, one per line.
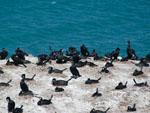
<point x="34" y="25"/>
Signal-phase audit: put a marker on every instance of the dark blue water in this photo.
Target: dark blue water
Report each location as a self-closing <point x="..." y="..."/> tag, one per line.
<point x="34" y="25"/>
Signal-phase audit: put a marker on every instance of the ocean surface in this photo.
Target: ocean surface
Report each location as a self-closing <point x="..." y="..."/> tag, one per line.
<point x="36" y="25"/>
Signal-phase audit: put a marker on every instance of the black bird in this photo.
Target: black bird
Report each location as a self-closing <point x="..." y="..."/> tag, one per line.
<point x="42" y="57"/>
<point x="92" y="81"/>
<point x="52" y="70"/>
<point x="18" y="110"/>
<point x="98" y="111"/>
<point x="5" y="84"/>
<point x="131" y="52"/>
<point x="96" y="94"/>
<point x="121" y="86"/>
<point x="137" y="73"/>
<point x="58" y="89"/>
<point x="91" y="64"/>
<point x="74" y="71"/>
<point x="60" y="82"/>
<point x="24" y="86"/>
<point x="3" y="54"/>
<point x="17" y="60"/>
<point x="140" y="84"/>
<point x="11" y="104"/>
<point x="24" y="89"/>
<point x="45" y="101"/>
<point x="104" y="70"/>
<point x="131" y="109"/>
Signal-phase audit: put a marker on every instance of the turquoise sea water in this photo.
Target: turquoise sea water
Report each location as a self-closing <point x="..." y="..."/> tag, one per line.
<point x="34" y="25"/>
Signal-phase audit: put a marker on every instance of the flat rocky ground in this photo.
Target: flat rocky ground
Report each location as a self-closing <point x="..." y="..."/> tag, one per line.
<point x="77" y="96"/>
